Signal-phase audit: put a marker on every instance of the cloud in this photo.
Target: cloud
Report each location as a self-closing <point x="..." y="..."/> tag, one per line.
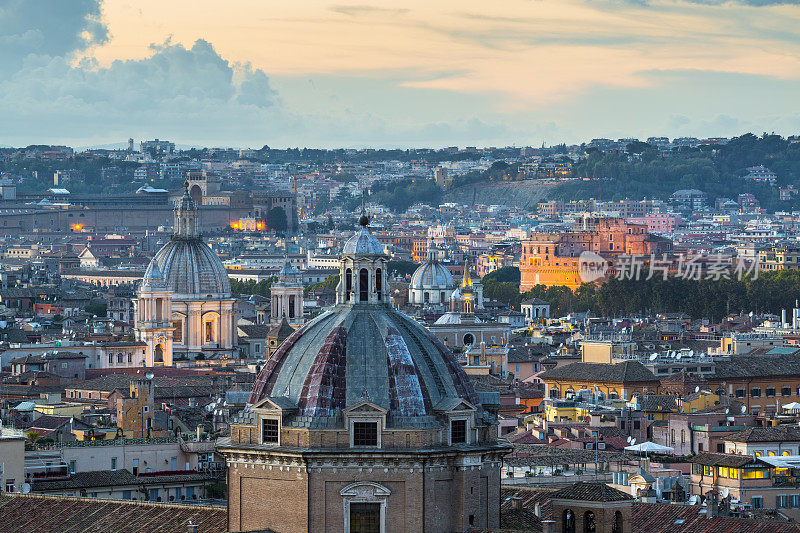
<point x="47" y="27"/>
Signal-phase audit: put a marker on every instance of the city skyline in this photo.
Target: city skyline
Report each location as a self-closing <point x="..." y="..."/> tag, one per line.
<point x="350" y="75"/>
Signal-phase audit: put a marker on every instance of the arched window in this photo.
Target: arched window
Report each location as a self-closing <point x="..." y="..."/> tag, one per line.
<point x="348" y="283"/>
<point x="617" y="527"/>
<point x="469" y="339"/>
<point x="363" y="285"/>
<point x="291" y="306"/>
<point x="159" y="354"/>
<point x="378" y="283"/>
<point x="569" y="521"/>
<point x="427" y="297"/>
<point x="589" y="525"/>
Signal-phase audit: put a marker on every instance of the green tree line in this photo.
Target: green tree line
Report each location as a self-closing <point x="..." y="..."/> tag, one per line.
<point x="714" y="299"/>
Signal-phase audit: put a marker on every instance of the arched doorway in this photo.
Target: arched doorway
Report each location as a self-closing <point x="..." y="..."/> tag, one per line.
<point x="589" y="525"/>
<point x="568" y="521"/>
<point x="617" y="528"/>
<point x="363" y="285"/>
<point x="196" y="193"/>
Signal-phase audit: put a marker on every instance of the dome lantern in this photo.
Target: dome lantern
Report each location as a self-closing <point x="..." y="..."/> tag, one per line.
<point x="362" y="269"/>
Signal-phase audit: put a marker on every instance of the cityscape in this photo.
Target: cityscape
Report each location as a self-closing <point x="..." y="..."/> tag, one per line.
<point x="414" y="268"/>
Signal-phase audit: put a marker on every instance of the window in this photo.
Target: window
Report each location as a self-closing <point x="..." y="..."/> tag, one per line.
<point x="672" y="436"/>
<point x="113" y="463"/>
<point x="130" y="358"/>
<point x="757" y="502"/>
<point x="755" y="392"/>
<point x="365" y="433"/>
<point x="757" y="473"/>
<point x="363" y="285"/>
<point x="786" y="391"/>
<point x="794" y="501"/>
<point x="683" y="436"/>
<point x="120" y="358"/>
<point x="569" y="521"/>
<point x="637" y="424"/>
<point x="741" y="393"/>
<point x="348" y="276"/>
<point x="135" y="468"/>
<point x="110" y="359"/>
<point x="458" y="432"/>
<point x="269" y="431"/>
<point x="209" y="330"/>
<point x="72" y="467"/>
<point x="782" y="501"/>
<point x="365" y="517"/>
<point x="10" y="485"/>
<point x="177" y="332"/>
<point x="770" y="392"/>
<point x="126" y="495"/>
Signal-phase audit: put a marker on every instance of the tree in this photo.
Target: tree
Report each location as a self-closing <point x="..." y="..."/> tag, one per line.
<point x="508" y="274"/>
<point x="97" y="309"/>
<point x="276" y="220"/>
<point x="401" y="268"/>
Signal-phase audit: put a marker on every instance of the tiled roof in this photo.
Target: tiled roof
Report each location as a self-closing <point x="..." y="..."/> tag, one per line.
<point x="722" y="459"/>
<point x="666" y="518"/>
<point x="34" y="513"/>
<point x="591" y="492"/>
<point x="111" y="478"/>
<point x="743" y="366"/>
<point x="766" y="434"/>
<point x="625" y="372"/>
<point x="657" y="402"/>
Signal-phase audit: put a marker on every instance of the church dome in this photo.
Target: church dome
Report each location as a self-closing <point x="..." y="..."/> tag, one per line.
<point x="191" y="267"/>
<point x="363" y="242"/>
<point x="432" y="275"/>
<point x="188" y="265"/>
<point x="363" y="352"/>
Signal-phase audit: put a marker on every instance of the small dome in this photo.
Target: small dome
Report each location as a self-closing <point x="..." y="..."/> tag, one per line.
<point x="363" y="243"/>
<point x="190" y="267"/>
<point x="453" y="318"/>
<point x="432" y="275"/>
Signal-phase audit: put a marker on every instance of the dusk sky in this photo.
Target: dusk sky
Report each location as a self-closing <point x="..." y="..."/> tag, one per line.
<point x="395" y="74"/>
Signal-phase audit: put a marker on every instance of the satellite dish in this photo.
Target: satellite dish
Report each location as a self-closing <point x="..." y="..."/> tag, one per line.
<point x="149" y="375"/>
<point x="691" y="353"/>
<point x="692" y="500"/>
<point x="26" y="488"/>
<point x="633" y="441"/>
<point x="678" y="355"/>
<point x="744" y="409"/>
<point x="629" y="439"/>
<point x="725" y="492"/>
<point x="654" y="357"/>
<point x="727" y="410"/>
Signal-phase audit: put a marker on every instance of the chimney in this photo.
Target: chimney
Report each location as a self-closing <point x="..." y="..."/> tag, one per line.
<point x="537" y="509"/>
<point x="712" y="506"/>
<point x="192" y="527"/>
<point x="548" y="526"/>
<point x="783" y="319"/>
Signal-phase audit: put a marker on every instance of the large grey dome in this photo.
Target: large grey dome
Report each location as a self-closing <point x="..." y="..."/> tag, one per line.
<point x="432" y="275"/>
<point x="354" y="353"/>
<point x="189" y="266"/>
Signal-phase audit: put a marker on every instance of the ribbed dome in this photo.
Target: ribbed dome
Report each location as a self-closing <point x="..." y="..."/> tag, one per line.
<point x="362" y="243"/>
<point x="432" y="275"/>
<point x="354" y="353"/>
<point x="190" y="267"/>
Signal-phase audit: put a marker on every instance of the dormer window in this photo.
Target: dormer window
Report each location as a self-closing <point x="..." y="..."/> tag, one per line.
<point x="458" y="431"/>
<point x="270" y="431"/>
<point x="365" y="433"/>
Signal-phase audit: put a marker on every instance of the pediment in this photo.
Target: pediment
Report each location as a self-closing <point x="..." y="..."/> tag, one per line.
<point x="365" y="407"/>
<point x="447" y="405"/>
<point x="278" y="403"/>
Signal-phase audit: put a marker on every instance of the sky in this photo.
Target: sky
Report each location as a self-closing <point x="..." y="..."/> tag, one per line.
<point x="295" y="73"/>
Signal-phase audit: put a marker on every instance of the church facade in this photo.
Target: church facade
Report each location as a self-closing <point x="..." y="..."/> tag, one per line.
<point x="184" y="307"/>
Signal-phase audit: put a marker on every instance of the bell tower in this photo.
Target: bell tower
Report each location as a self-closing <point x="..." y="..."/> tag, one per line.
<point x="153" y="317"/>
<point x="287" y="297"/>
